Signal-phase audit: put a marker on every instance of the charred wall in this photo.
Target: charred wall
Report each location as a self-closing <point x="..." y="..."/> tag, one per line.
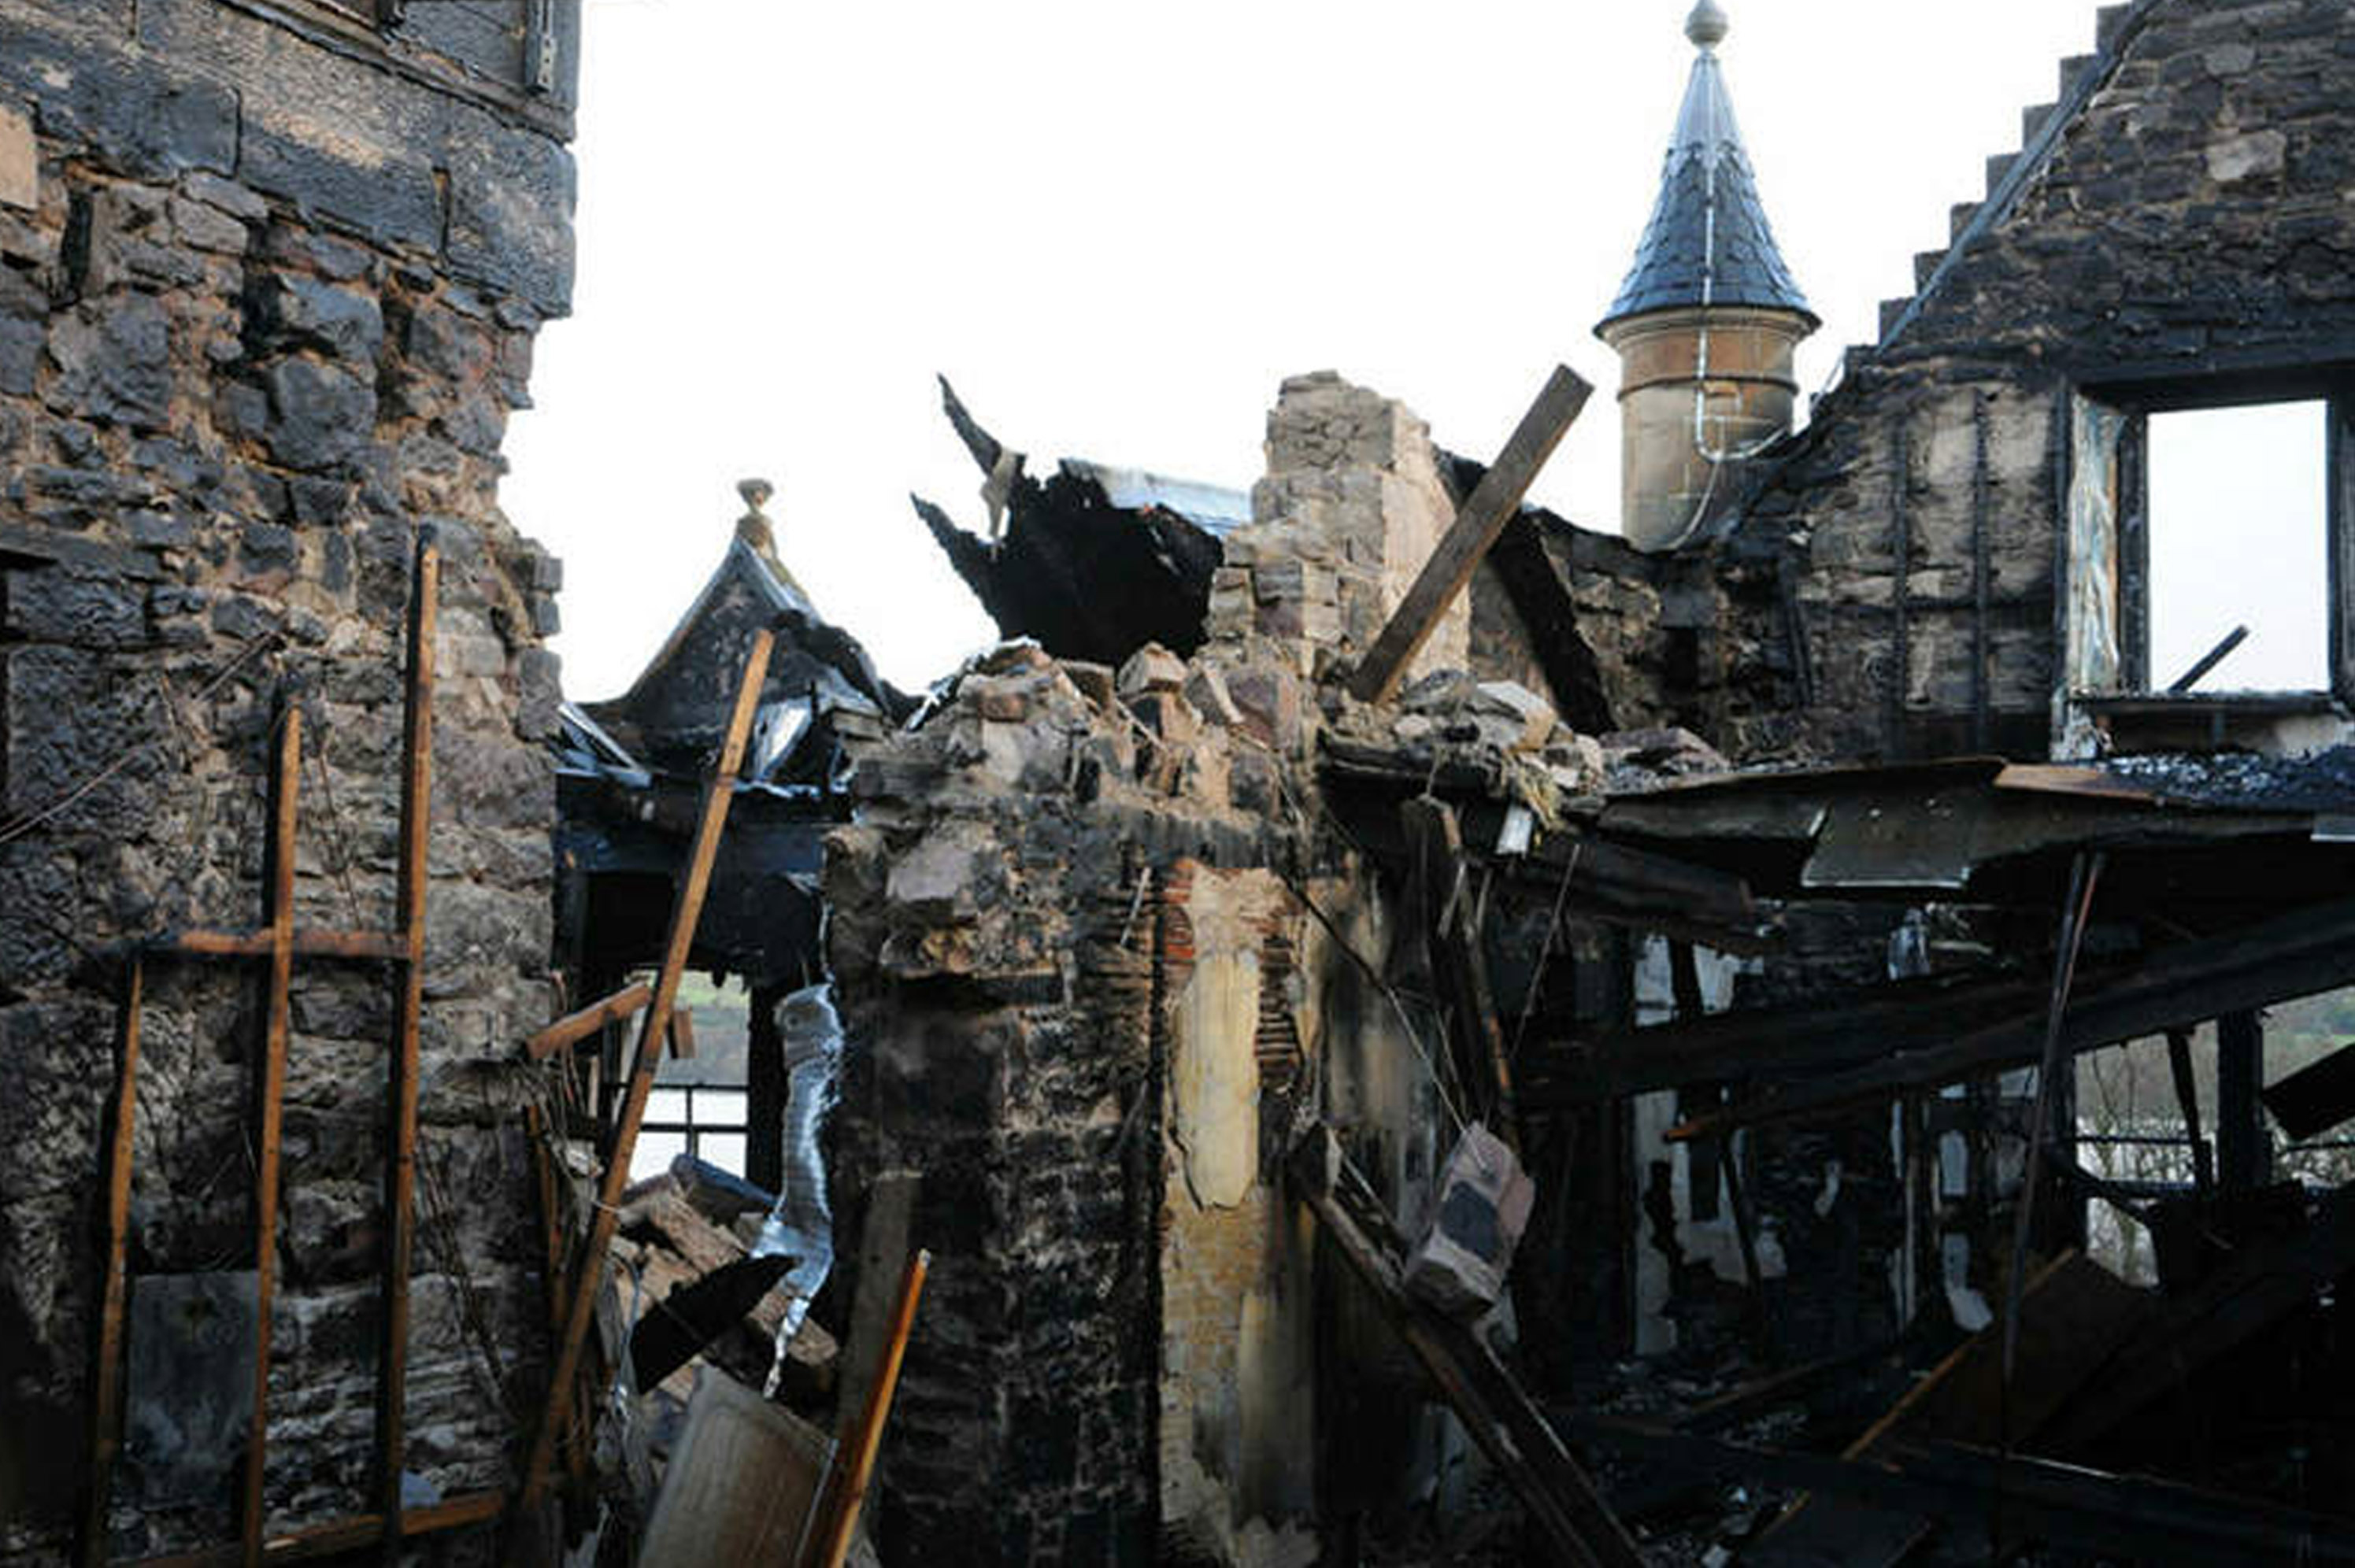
<point x="269" y="283"/>
<point x="2175" y="232"/>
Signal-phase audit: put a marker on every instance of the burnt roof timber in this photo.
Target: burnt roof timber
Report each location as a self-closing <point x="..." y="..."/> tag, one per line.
<point x="2300" y="953"/>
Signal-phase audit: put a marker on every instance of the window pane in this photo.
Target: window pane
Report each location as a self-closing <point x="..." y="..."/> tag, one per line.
<point x="666" y="1104"/>
<point x="2238" y="538"/>
<point x="720" y="1108"/>
<point x="725" y="1149"/>
<point x="654" y="1153"/>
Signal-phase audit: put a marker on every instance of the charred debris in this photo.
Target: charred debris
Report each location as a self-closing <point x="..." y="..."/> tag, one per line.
<point x="1376" y="1025"/>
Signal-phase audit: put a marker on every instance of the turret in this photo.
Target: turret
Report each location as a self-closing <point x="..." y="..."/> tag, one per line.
<point x="1706" y="324"/>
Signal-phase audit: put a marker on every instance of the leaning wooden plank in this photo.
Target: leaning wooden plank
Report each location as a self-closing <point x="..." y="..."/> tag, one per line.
<point x="854" y="1466"/>
<point x="741" y="1483"/>
<point x="1491" y="505"/>
<point x="281" y="913"/>
<point x="106" y="1386"/>
<point x="409" y="916"/>
<point x="574" y="1027"/>
<point x="588" y="1272"/>
<point x="1509" y="1429"/>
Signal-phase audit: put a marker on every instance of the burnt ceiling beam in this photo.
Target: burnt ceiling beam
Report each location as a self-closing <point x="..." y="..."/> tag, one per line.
<point x="2299" y="953"/>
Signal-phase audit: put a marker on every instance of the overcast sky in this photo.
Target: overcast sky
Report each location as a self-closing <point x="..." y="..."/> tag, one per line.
<point x="1117" y="226"/>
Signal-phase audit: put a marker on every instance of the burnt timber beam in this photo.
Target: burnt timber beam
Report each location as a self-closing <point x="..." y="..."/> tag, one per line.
<point x="2314" y="1099"/>
<point x="2300" y="953"/>
<point x="1459" y="963"/>
<point x="106" y="1384"/>
<point x="2263" y="1283"/>
<point x="1845" y="1031"/>
<point x="1500" y="1417"/>
<point x="271" y="1092"/>
<point x="2156" y="1520"/>
<point x="1493" y="504"/>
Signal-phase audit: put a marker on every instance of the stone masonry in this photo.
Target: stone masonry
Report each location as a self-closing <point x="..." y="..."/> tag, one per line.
<point x="269" y="283"/>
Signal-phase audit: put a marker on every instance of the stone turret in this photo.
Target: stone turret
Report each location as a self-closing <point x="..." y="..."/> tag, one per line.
<point x="1706" y="324"/>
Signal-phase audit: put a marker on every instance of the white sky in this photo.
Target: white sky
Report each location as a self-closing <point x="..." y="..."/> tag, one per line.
<point x="1117" y="226"/>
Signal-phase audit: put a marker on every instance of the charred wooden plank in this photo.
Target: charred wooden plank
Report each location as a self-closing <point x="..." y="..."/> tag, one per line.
<point x="1467" y="539"/>
<point x="106" y="1383"/>
<point x="2296" y="954"/>
<point x="1457" y="961"/>
<point x="271" y="1094"/>
<point x="2315" y="1098"/>
<point x="574" y="1027"/>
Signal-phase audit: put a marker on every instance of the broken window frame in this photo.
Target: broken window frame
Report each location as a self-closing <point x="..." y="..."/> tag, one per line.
<point x="2084" y="409"/>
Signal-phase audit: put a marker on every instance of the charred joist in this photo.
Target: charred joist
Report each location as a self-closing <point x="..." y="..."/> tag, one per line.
<point x="1804" y="1038"/>
<point x="2314" y="1099"/>
<point x="2297" y="953"/>
<point x="1458" y="962"/>
<point x="2263" y="1283"/>
<point x="2063" y="1504"/>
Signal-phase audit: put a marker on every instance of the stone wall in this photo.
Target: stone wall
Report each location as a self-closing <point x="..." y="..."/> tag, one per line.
<point x="2184" y="236"/>
<point x="269" y="283"/>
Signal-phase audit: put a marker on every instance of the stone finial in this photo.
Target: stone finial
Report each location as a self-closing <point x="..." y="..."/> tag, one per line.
<point x="755" y="527"/>
<point x="1707" y="26"/>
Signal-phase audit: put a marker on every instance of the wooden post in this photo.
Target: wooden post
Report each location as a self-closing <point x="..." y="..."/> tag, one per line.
<point x="574" y="1027"/>
<point x="836" y="1515"/>
<point x="1457" y="961"/>
<point x="401" y="1174"/>
<point x="2244" y="1163"/>
<point x="588" y="1272"/>
<point x="2187" y="1100"/>
<point x="106" y="1387"/>
<point x="281" y="921"/>
<point x="1491" y="505"/>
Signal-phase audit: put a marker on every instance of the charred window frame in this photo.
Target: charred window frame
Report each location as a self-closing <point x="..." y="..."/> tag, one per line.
<point x="2132" y="407"/>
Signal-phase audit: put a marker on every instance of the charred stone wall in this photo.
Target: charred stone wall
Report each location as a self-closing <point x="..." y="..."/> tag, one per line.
<point x="2177" y="231"/>
<point x="269" y="281"/>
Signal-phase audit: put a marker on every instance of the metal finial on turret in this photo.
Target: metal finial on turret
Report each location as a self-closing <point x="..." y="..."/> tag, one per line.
<point x="1707" y="26"/>
<point x="753" y="527"/>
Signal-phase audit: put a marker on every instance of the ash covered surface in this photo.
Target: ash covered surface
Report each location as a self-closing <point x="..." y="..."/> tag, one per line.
<point x="2322" y="781"/>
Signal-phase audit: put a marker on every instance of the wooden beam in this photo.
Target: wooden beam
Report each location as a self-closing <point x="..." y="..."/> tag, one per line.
<point x="1491" y="505"/>
<point x="2187" y="1101"/>
<point x="574" y="1027"/>
<point x="106" y="1386"/>
<point x="846" y="1491"/>
<point x="363" y="944"/>
<point x="2298" y="953"/>
<point x="1435" y="845"/>
<point x="408" y="918"/>
<point x="682" y="1034"/>
<point x="273" y="1086"/>
<point x="588" y="1272"/>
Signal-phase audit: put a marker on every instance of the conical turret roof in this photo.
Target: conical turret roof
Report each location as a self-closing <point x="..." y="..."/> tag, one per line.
<point x="1709" y="242"/>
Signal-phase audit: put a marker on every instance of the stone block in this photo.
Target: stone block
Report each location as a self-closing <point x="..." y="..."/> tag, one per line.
<point x="291" y="310"/>
<point x="1460" y="1263"/>
<point x="20" y="162"/>
<point x="2260" y="154"/>
<point x="319" y="415"/>
<point x="1152" y="668"/>
<point x="114" y="362"/>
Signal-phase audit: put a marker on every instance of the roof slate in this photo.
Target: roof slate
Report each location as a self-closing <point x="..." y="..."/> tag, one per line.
<point x="1709" y="241"/>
